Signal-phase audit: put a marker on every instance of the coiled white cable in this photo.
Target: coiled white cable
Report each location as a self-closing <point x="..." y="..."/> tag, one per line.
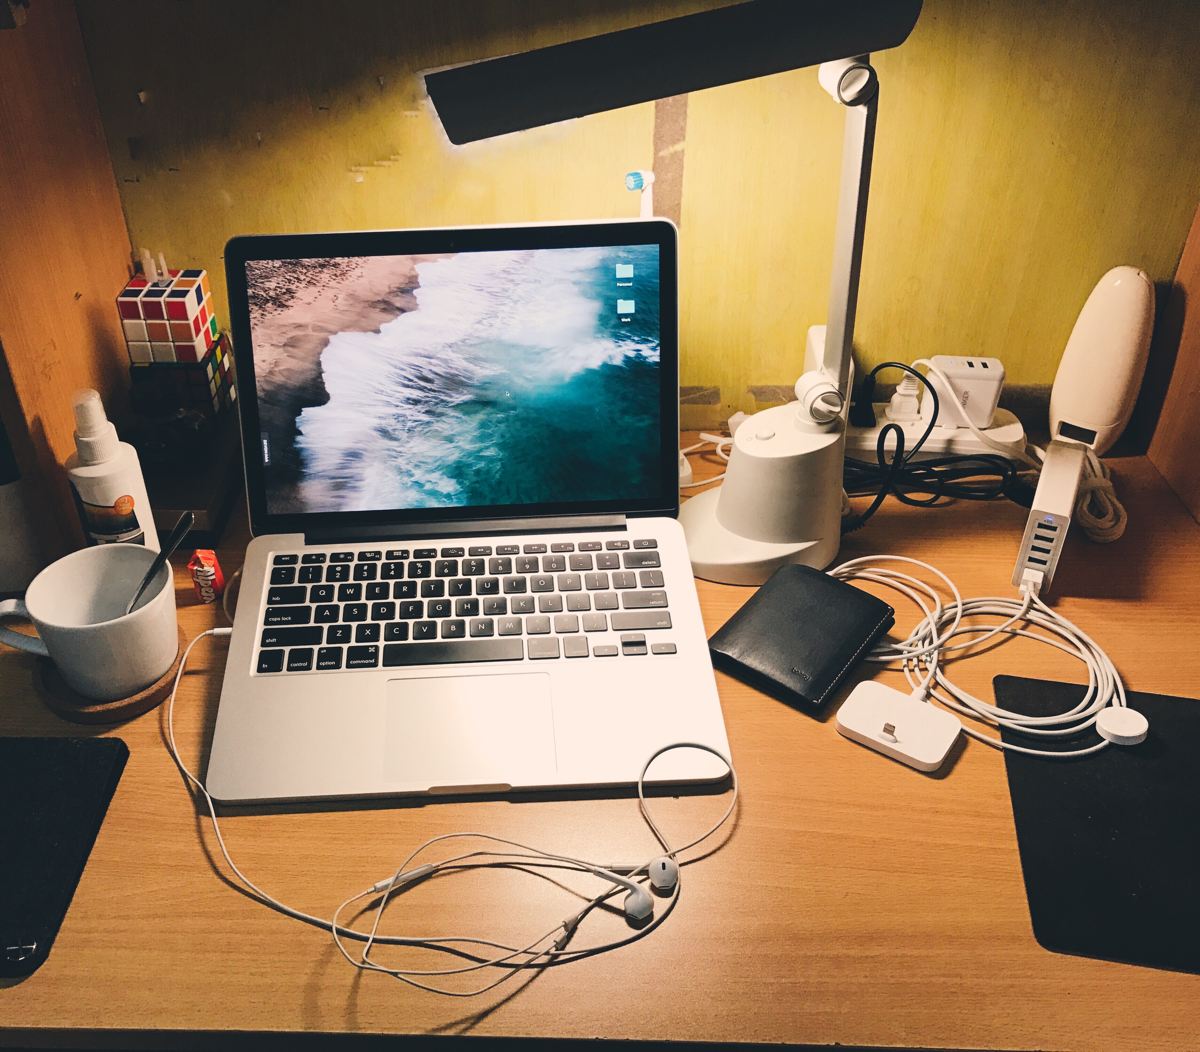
<point x="722" y="446"/>
<point x="550" y="948"/>
<point x="920" y="654"/>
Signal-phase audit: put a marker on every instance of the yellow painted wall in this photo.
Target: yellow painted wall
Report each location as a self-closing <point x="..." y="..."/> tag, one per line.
<point x="1024" y="147"/>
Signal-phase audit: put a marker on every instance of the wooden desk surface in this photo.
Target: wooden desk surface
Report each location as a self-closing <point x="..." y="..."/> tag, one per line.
<point x="856" y="901"/>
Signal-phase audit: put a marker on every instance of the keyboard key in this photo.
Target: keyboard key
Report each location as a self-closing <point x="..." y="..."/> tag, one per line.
<point x="362" y="657"/>
<point x="418" y="569"/>
<point x="575" y="647"/>
<point x="365" y="571"/>
<point x="329" y="658"/>
<point x="434" y="588"/>
<point x="370" y="556"/>
<point x="283" y="575"/>
<point x="590" y="546"/>
<point x="641" y="560"/>
<point x="536" y="625"/>
<point x="645" y="542"/>
<point x="327" y="614"/>
<point x="513" y="585"/>
<point x="595" y="623"/>
<point x="487" y="586"/>
<point x="616" y="546"/>
<point x="396" y="632"/>
<point x="482" y="626"/>
<point x="543" y="648"/>
<point x="608" y="561"/>
<point x="582" y="561"/>
<point x="285" y="560"/>
<point x="354" y="612"/>
<point x="425" y="553"/>
<point x="605" y="650"/>
<point x="424" y="630"/>
<point x="509" y="626"/>
<point x="383" y="611"/>
<point x="605" y="600"/>
<point x="499" y="565"/>
<point x="640" y="619"/>
<point x="290" y="637"/>
<point x="466" y="607"/>
<point x="624" y="579"/>
<point x="412" y="609"/>
<point x="397" y="553"/>
<point x="455" y="628"/>
<point x="337" y="572"/>
<point x="643" y="600"/>
<point x="338" y="633"/>
<point x="452" y="553"/>
<point x="446" y="568"/>
<point x="534" y="549"/>
<point x="494" y="606"/>
<point x="541" y="582"/>
<point x="633" y="645"/>
<point x="650" y="578"/>
<point x="569" y="582"/>
<point x="565" y="623"/>
<point x="270" y="661"/>
<point x="452" y="652"/>
<point x="522" y="604"/>
<point x="287" y="615"/>
<point x="578" y="601"/>
<point x="391" y="571"/>
<point x="507" y="549"/>
<point x="527" y="564"/>
<point x="300" y="660"/>
<point x="319" y="593"/>
<point x="378" y="590"/>
<point x="595" y="581"/>
<point x="460" y="586"/>
<point x="662" y="648"/>
<point x="342" y="557"/>
<point x="350" y="592"/>
<point x="473" y="567"/>
<point x="285" y="595"/>
<point x="310" y="574"/>
<point x="550" y="604"/>
<point x="553" y="563"/>
<point x="479" y="549"/>
<point x="438" y="608"/>
<point x="312" y="558"/>
<point x="562" y="546"/>
<point x="367" y="632"/>
<point x="404" y="590"/>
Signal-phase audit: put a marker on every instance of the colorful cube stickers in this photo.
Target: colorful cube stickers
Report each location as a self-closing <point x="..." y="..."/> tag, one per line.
<point x="205" y="384"/>
<point x="169" y="320"/>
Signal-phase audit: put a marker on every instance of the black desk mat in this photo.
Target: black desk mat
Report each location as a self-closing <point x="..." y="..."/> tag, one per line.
<point x="1110" y="843"/>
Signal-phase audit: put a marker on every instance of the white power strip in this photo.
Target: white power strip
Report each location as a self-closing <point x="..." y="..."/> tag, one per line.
<point x="1006" y="429"/>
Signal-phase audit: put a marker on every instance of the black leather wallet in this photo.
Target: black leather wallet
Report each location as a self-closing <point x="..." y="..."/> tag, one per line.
<point x="799" y="635"/>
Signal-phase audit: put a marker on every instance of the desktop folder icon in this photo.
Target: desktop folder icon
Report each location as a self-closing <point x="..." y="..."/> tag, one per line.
<point x="624" y="306"/>
<point x="624" y="270"/>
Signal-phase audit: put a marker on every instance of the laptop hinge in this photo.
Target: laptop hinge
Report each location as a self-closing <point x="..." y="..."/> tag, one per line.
<point x="417" y="530"/>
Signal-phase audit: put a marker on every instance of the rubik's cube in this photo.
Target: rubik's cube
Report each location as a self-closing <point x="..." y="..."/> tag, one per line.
<point x="169" y="320"/>
<point x="162" y="388"/>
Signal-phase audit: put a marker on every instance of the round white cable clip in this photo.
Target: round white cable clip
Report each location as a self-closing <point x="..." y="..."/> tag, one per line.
<point x="1122" y="725"/>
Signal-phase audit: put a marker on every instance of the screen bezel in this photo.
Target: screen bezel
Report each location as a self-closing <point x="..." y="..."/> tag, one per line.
<point x="242" y="249"/>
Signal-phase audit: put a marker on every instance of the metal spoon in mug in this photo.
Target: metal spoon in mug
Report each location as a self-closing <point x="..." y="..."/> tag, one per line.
<point x="185" y="523"/>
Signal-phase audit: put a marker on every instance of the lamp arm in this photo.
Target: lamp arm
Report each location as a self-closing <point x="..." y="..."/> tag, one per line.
<point x="853" y="83"/>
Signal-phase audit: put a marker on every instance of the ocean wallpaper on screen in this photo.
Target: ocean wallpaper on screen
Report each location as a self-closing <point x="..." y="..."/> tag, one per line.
<point x="509" y="378"/>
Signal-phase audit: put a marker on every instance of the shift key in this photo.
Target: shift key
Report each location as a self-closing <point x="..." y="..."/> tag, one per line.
<point x="639" y="620"/>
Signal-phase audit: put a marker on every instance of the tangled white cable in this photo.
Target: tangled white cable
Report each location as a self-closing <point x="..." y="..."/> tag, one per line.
<point x="921" y="654"/>
<point x="552" y="947"/>
<point x="722" y="446"/>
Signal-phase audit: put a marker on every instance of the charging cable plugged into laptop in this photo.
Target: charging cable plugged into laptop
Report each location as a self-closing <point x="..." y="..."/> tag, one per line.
<point x="640" y="884"/>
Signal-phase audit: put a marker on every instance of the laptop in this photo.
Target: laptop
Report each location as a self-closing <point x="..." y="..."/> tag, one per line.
<point x="461" y="467"/>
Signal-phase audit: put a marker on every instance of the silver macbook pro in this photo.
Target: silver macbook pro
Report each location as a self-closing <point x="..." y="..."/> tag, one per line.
<point x="461" y="467"/>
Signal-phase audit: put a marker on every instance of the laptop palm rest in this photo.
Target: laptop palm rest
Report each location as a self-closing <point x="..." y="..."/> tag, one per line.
<point x="481" y="733"/>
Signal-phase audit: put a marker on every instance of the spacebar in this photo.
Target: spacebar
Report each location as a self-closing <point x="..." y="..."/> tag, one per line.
<point x="449" y="653"/>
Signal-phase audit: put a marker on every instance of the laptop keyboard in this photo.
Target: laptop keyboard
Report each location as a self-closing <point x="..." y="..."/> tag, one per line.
<point x="394" y="607"/>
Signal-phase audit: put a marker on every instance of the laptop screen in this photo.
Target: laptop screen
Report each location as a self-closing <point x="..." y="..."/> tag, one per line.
<point x="526" y="379"/>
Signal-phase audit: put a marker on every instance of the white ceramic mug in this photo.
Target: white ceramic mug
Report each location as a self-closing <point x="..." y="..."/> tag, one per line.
<point x="78" y="607"/>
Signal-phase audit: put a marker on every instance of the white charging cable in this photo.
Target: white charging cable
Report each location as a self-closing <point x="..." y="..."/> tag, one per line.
<point x="940" y="634"/>
<point x="552" y="947"/>
<point x="722" y="446"/>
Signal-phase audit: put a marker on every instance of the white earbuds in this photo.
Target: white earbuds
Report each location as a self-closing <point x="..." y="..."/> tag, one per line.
<point x="664" y="874"/>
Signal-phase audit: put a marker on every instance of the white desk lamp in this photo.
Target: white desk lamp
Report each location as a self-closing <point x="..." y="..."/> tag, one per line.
<point x="781" y="501"/>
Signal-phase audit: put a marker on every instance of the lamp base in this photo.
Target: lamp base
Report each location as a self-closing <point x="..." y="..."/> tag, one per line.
<point x="719" y="554"/>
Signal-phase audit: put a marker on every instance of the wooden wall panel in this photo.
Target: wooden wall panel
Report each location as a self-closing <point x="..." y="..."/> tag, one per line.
<point x="1175" y="448"/>
<point x="64" y="253"/>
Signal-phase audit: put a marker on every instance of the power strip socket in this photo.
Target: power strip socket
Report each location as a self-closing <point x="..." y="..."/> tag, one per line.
<point x="1006" y="429"/>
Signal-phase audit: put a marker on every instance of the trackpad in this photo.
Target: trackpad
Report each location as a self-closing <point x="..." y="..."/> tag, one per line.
<point x="457" y="732"/>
